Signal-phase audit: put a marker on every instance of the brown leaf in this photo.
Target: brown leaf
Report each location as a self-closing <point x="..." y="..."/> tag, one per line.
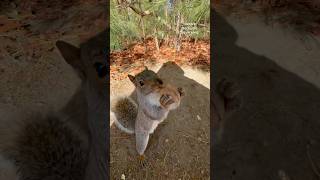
<point x="8" y="24"/>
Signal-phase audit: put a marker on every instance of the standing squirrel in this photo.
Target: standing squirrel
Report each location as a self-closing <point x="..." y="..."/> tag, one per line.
<point x="124" y="111"/>
<point x="155" y="100"/>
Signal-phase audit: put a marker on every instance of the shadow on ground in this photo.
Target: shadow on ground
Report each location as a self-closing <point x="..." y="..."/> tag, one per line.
<point x="269" y="136"/>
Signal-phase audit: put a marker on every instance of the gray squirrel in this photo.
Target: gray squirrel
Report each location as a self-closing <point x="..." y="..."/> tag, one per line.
<point x="155" y="100"/>
<point x="73" y="145"/>
<point x="69" y="144"/>
<point x="142" y="119"/>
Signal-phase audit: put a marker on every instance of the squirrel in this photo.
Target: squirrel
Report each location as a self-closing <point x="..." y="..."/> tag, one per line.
<point x="124" y="111"/>
<point x="155" y="101"/>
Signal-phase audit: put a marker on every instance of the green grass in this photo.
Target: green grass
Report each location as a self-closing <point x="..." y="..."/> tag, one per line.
<point x="128" y="26"/>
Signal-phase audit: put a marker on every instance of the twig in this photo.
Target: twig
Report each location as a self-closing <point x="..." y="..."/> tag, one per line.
<point x="206" y="142"/>
<point x="136" y="10"/>
<point x="141" y="13"/>
<point x="164" y="159"/>
<point x="190" y="136"/>
<point x="204" y="131"/>
<point x="184" y="175"/>
<point x="313" y="165"/>
<point x="120" y="137"/>
<point x="156" y="40"/>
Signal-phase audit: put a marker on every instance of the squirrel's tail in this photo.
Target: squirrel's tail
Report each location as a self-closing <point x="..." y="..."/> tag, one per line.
<point x="123" y="112"/>
<point x="47" y="148"/>
<point x="8" y="170"/>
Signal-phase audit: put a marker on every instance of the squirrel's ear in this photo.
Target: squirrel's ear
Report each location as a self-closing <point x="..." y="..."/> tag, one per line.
<point x="132" y="78"/>
<point x="145" y="68"/>
<point x="71" y="55"/>
<point x="181" y="92"/>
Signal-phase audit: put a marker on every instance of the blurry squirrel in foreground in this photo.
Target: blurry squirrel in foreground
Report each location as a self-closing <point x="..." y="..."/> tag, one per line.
<point x="155" y="100"/>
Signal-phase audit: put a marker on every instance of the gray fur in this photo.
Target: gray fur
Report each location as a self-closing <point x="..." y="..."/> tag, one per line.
<point x="54" y="148"/>
<point x="150" y="112"/>
<point x="125" y="111"/>
<point x="48" y="148"/>
<point x="95" y="87"/>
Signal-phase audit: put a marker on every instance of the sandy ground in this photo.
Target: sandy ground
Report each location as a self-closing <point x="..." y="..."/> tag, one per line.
<point x="179" y="148"/>
<point x="276" y="133"/>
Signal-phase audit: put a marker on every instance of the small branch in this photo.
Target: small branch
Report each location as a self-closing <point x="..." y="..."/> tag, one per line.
<point x="165" y="157"/>
<point x="197" y="24"/>
<point x="202" y="25"/>
<point x="120" y="137"/>
<point x="187" y="135"/>
<point x="178" y="33"/>
<point x="156" y="40"/>
<point x="141" y="13"/>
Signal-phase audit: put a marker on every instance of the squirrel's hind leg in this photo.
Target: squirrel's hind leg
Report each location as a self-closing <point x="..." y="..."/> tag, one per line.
<point x="142" y="139"/>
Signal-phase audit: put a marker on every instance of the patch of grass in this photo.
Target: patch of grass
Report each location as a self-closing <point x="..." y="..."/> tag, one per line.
<point x="136" y="21"/>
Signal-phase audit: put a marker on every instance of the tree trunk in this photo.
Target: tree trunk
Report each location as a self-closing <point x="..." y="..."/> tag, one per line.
<point x="178" y="34"/>
<point x="156" y="40"/>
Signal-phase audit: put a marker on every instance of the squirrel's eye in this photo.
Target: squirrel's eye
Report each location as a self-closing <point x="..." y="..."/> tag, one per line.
<point x="141" y="83"/>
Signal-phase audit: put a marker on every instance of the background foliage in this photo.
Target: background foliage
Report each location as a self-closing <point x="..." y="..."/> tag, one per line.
<point x="162" y="20"/>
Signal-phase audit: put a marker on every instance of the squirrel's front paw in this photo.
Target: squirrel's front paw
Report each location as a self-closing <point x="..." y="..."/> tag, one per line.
<point x="166" y="100"/>
<point x="230" y="91"/>
<point x="142" y="160"/>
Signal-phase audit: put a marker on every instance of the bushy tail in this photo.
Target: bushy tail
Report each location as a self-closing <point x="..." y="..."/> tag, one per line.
<point x="124" y="112"/>
<point x="48" y="149"/>
<point x="8" y="170"/>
